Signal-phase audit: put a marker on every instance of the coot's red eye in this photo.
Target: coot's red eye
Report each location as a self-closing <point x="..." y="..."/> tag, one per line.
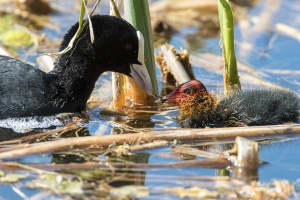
<point x="128" y="47"/>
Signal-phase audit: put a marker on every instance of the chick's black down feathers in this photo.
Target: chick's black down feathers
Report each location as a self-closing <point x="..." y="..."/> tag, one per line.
<point x="252" y="108"/>
<point x="199" y="109"/>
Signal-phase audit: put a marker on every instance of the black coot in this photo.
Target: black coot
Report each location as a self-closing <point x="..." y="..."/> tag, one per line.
<point x="199" y="109"/>
<point x="27" y="91"/>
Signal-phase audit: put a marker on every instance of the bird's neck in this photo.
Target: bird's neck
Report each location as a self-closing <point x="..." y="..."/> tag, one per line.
<point x="198" y="103"/>
<point x="76" y="83"/>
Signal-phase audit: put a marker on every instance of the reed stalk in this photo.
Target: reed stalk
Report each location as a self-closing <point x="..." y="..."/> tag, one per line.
<point x="231" y="77"/>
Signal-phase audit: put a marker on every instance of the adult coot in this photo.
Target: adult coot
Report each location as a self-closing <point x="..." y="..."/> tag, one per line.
<point x="27" y="91"/>
<point x="199" y="108"/>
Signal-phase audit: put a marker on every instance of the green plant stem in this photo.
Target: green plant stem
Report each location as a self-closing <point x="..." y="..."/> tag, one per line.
<point x="82" y="12"/>
<point x="137" y="13"/>
<point x="231" y="77"/>
<point x="81" y="26"/>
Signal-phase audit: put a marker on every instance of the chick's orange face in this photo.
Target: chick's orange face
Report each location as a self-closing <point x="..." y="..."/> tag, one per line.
<point x="185" y="91"/>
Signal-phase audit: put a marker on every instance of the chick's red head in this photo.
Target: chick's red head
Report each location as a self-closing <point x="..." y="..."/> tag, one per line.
<point x="193" y="88"/>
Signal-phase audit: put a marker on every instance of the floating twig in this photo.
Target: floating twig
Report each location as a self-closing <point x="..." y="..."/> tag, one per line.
<point x="207" y="163"/>
<point x="183" y="135"/>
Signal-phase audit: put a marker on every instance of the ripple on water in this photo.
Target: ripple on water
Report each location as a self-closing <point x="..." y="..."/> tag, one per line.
<point x="22" y="125"/>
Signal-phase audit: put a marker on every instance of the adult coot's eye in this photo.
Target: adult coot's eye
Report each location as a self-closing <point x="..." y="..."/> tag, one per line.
<point x="128" y="47"/>
<point x="187" y="91"/>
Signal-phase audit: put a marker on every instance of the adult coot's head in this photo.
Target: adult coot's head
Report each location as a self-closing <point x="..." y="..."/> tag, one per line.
<point x="117" y="47"/>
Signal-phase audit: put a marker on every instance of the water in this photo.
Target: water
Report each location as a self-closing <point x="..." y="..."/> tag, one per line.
<point x="20" y="125"/>
<point x="259" y="44"/>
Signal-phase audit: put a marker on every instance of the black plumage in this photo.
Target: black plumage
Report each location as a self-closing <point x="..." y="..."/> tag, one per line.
<point x="27" y="91"/>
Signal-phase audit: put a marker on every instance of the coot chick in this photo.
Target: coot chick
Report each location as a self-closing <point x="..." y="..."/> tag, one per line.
<point x="199" y="108"/>
<point x="27" y="91"/>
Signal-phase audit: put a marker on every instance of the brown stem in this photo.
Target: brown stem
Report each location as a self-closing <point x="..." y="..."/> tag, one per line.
<point x="183" y="135"/>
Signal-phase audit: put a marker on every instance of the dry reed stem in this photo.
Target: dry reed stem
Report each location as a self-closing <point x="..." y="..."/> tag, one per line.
<point x="38" y="137"/>
<point x="183" y="135"/>
<point x="151" y="145"/>
<point x="215" y="163"/>
<point x="195" y="152"/>
<point x="176" y="68"/>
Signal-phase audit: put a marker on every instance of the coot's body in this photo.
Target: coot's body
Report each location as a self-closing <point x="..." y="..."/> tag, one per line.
<point x="27" y="91"/>
<point x="198" y="109"/>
